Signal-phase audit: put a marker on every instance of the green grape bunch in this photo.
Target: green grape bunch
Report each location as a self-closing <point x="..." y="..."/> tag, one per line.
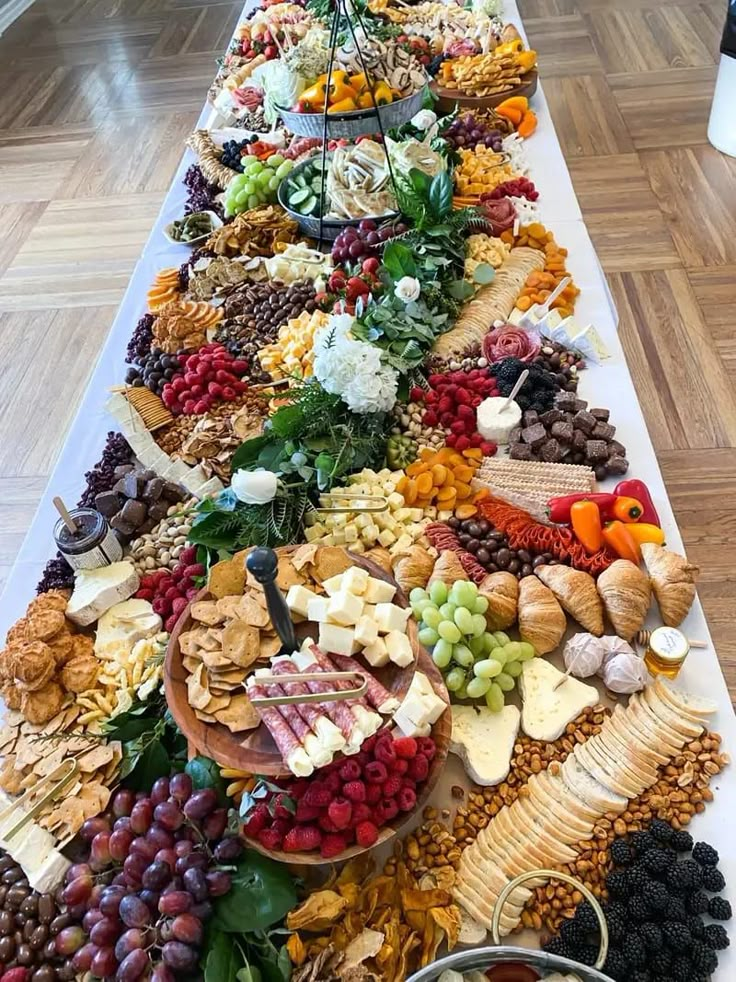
<point x="476" y="663"/>
<point x="257" y="185"/>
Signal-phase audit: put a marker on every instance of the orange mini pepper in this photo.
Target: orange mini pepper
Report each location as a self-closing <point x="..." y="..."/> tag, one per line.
<point x="619" y="540"/>
<point x="626" y="509"/>
<point x="585" y="518"/>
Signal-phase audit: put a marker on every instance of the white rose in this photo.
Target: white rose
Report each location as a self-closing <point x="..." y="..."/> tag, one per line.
<point x="424" y="119"/>
<point x="254" y="487"/>
<point x="407" y="289"/>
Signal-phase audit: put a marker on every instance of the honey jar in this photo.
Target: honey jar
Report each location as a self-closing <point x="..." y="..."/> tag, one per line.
<point x="666" y="651"/>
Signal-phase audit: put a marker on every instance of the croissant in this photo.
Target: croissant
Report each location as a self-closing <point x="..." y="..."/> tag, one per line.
<point x="447" y="569"/>
<point x="542" y="621"/>
<point x="501" y="590"/>
<point x="577" y="593"/>
<point x="626" y="595"/>
<point x="380" y="556"/>
<point x="413" y="568"/>
<point x="673" y="582"/>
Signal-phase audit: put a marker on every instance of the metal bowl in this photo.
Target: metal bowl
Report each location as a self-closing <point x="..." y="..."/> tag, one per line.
<point x="483" y="958"/>
<point x="356" y="123"/>
<point x="329" y="228"/>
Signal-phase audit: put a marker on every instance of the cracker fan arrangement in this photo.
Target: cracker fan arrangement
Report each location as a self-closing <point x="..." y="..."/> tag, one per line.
<point x="361" y="647"/>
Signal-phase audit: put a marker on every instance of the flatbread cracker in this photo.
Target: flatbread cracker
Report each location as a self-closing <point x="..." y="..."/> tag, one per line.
<point x="241" y="643"/>
<point x="227" y="579"/>
<point x="239" y="715"/>
<point x="250" y="611"/>
<point x="207" y="611"/>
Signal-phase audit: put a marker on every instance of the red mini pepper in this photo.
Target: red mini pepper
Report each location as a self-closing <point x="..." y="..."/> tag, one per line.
<point x="585" y="518"/>
<point x="559" y="508"/>
<point x="619" y="540"/>
<point x="638" y="489"/>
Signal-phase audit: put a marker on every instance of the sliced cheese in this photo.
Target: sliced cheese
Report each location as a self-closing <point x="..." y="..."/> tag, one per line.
<point x="548" y="709"/>
<point x="484" y="741"/>
<point x="123" y="625"/>
<point x="97" y="590"/>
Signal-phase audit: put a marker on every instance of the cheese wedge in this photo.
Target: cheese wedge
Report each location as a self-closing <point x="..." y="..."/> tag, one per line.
<point x="547" y="710"/>
<point x="97" y="590"/>
<point x="122" y="625"/>
<point x="484" y="741"/>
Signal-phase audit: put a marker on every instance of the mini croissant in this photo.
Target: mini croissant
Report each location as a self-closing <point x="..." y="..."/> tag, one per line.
<point x="413" y="568"/>
<point x="673" y="582"/>
<point x="447" y="569"/>
<point x="576" y="592"/>
<point x="542" y="621"/>
<point x="501" y="590"/>
<point x="626" y="595"/>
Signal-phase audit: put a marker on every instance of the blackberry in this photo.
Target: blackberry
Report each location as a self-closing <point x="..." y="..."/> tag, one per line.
<point x="638" y="909"/>
<point x="659" y="963"/>
<point x="616" y="964"/>
<point x="587" y="954"/>
<point x="719" y="909"/>
<point x="558" y="946"/>
<point x="661" y="830"/>
<point x="641" y="842"/>
<point x="675" y="910"/>
<point x="697" y="903"/>
<point x="682" y="841"/>
<point x="704" y="959"/>
<point x="621" y="852"/>
<point x="585" y="915"/>
<point x="655" y="860"/>
<point x="656" y="895"/>
<point x="635" y="951"/>
<point x="651" y="935"/>
<point x="704" y="854"/>
<point x="640" y="975"/>
<point x="617" y="884"/>
<point x="685" y="876"/>
<point x="681" y="969"/>
<point x="636" y="879"/>
<point x="716" y="937"/>
<point x="676" y="936"/>
<point x="713" y="879"/>
<point x="616" y="918"/>
<point x="573" y="931"/>
<point x="695" y="926"/>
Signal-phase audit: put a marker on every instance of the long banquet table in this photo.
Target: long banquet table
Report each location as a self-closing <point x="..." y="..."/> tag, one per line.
<point x="609" y="383"/>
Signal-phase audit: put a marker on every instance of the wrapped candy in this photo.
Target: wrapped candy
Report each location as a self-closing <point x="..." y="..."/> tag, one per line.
<point x="625" y="672"/>
<point x="583" y="655"/>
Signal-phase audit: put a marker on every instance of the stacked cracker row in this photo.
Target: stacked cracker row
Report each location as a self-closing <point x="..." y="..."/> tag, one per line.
<point x="560" y="807"/>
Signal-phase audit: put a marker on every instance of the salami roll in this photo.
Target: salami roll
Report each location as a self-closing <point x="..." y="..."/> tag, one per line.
<point x="294" y="755"/>
<point x="317" y="753"/>
<point x="339" y="712"/>
<point x="378" y="695"/>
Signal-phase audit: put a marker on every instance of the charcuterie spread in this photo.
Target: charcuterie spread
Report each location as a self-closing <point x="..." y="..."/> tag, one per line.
<point x="369" y="652"/>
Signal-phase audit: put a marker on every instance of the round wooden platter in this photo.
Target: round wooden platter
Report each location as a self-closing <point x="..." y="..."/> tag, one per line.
<point x="447" y="99"/>
<point x="254" y="750"/>
<point x="441" y="732"/>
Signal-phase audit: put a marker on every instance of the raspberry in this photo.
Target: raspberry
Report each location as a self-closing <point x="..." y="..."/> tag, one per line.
<point x="391" y="786"/>
<point x="407" y="799"/>
<point x="302" y="838"/>
<point x="297" y="789"/>
<point x="406" y="747"/>
<point x="369" y="744"/>
<point x="390" y="808"/>
<point x="281" y="807"/>
<point x="361" y="813"/>
<point x="384" y="751"/>
<point x="350" y="770"/>
<point x="332" y="845"/>
<point x="366" y="834"/>
<point x="332" y="782"/>
<point x="426" y="747"/>
<point x="354" y="790"/>
<point x="373" y="793"/>
<point x="340" y="812"/>
<point x="258" y="820"/>
<point x="419" y="768"/>
<point x="318" y="795"/>
<point x="270" y="838"/>
<point x="400" y="766"/>
<point x="375" y="772"/>
<point x="305" y="812"/>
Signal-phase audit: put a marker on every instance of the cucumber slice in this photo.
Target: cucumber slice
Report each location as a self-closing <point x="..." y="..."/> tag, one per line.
<point x="299" y="196"/>
<point x="310" y="206"/>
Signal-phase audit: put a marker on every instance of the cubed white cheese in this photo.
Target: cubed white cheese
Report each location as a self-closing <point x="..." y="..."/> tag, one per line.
<point x="370" y="533"/>
<point x="403" y="543"/>
<point x="333" y="584"/>
<point x="344" y="608"/>
<point x="378" y="591"/>
<point x="395" y="500"/>
<point x="337" y="639"/>
<point x="363" y="520"/>
<point x="402" y="514"/>
<point x="417" y="514"/>
<point x="298" y="597"/>
<point x="369" y="610"/>
<point x="389" y="617"/>
<point x="317" y="609"/>
<point x="386" y="538"/>
<point x="376" y="654"/>
<point x="407" y="725"/>
<point x="357" y="547"/>
<point x="351" y="533"/>
<point x="399" y="648"/>
<point x="355" y="580"/>
<point x="338" y="537"/>
<point x="366" y="632"/>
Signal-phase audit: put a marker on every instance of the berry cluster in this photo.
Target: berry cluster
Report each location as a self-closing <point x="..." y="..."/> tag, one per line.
<point x="451" y="402"/>
<point x="232" y="151"/>
<point x="346" y="802"/>
<point x="169" y="591"/>
<point x="468" y="132"/>
<point x="141" y="899"/>
<point x="209" y="375"/>
<point x="519" y="187"/>
<point x="417" y="46"/>
<point x="654" y="914"/>
<point x="365" y="239"/>
<point x="539" y="390"/>
<point x="344" y="291"/>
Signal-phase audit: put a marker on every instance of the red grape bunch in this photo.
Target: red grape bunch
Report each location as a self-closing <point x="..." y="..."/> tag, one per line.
<point x="468" y="132"/>
<point x="143" y="896"/>
<point x="358" y="242"/>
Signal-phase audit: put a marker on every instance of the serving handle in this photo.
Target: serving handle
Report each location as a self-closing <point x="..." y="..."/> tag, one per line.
<point x="334" y="695"/>
<point x="263" y="564"/>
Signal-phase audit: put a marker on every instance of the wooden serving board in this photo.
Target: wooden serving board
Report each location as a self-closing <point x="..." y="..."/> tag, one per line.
<point x="254" y="750"/>
<point x="447" y="99"/>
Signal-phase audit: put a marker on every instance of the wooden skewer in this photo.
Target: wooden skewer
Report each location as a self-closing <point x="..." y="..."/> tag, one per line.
<point x="519" y="382"/>
<point x="65" y="516"/>
<point x="561" y="681"/>
<point x="642" y="637"/>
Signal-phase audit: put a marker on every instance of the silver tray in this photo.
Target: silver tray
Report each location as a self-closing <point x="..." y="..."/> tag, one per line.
<point x="483" y="958"/>
<point x="352" y="124"/>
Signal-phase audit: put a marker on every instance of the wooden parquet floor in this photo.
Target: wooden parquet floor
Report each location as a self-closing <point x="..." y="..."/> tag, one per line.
<point x="96" y="97"/>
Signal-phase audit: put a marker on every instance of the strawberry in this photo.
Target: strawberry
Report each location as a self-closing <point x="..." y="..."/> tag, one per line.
<point x="270" y="838"/>
<point x="257" y="820"/>
<point x="340" y="812"/>
<point x="354" y="790"/>
<point x="302" y="838"/>
<point x="332" y="845"/>
<point x="366" y="834"/>
<point x="406" y="747"/>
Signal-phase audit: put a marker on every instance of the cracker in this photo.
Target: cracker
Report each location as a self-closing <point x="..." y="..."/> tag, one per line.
<point x="239" y="715"/>
<point x="241" y="643"/>
<point x="207" y="612"/>
<point x="227" y="578"/>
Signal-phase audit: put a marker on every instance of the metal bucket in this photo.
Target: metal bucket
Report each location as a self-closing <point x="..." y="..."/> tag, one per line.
<point x="484" y="958"/>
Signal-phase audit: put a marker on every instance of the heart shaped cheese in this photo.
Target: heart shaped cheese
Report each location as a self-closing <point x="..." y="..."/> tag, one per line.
<point x="484" y="741"/>
<point x="549" y="707"/>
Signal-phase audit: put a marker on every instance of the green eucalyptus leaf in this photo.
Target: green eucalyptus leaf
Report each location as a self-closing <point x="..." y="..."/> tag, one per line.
<point x="460" y="289"/>
<point x="222" y="959"/>
<point x="484" y="273"/>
